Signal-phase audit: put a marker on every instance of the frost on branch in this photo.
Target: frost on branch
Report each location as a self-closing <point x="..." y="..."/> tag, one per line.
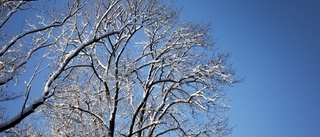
<point x="118" y="68"/>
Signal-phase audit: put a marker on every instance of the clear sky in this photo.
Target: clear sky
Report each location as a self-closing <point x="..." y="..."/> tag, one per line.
<point x="275" y="45"/>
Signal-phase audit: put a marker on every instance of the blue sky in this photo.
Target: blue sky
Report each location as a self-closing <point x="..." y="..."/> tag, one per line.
<point x="275" y="45"/>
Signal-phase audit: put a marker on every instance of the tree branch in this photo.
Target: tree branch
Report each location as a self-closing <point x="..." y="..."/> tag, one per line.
<point x="25" y="112"/>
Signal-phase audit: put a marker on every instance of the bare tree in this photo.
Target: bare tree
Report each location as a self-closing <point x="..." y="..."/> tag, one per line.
<point x="116" y="68"/>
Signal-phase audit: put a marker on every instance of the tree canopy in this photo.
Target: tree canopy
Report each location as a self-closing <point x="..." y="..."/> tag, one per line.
<point x="110" y="68"/>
